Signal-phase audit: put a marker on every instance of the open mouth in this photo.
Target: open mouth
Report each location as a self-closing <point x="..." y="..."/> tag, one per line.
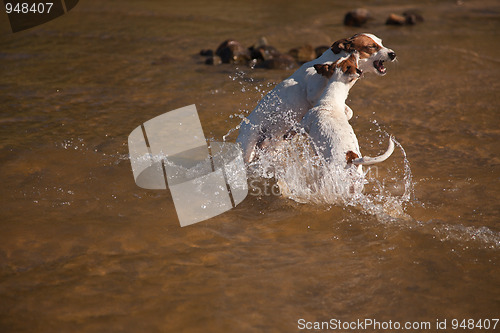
<point x="379" y="66"/>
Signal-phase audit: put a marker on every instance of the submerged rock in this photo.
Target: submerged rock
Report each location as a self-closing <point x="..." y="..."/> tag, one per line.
<point x="320" y="50"/>
<point x="413" y="17"/>
<point x="213" y="60"/>
<point x="207" y="52"/>
<point x="357" y="17"/>
<point x="264" y="52"/>
<point x="395" y="19"/>
<point x="282" y="61"/>
<point x="303" y="54"/>
<point x="410" y="17"/>
<point x="231" y="51"/>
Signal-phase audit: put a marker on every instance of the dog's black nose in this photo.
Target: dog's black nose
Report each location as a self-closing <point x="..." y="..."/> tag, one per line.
<point x="392" y="55"/>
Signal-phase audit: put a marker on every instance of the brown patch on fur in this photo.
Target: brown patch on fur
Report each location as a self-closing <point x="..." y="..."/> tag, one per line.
<point x="347" y="66"/>
<point x="361" y="43"/>
<point x="350" y="156"/>
<point x="325" y="69"/>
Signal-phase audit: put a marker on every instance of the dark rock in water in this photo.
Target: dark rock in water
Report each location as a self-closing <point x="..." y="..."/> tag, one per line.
<point x="282" y="61"/>
<point x="207" y="53"/>
<point x="213" y="60"/>
<point x="261" y="51"/>
<point x="264" y="52"/>
<point x="231" y="51"/>
<point x="357" y="17"/>
<point x="413" y="17"/>
<point x="395" y="19"/>
<point x="303" y="54"/>
<point x="262" y="42"/>
<point x="410" y="17"/>
<point x="320" y="50"/>
<point x="260" y="55"/>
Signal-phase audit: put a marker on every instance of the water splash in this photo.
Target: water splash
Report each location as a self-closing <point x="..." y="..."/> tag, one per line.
<point x="247" y="84"/>
<point x="466" y="234"/>
<point x="306" y="178"/>
<point x="388" y="188"/>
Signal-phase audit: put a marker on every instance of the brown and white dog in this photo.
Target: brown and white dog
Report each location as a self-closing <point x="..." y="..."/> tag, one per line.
<point x="288" y="102"/>
<point x="327" y="125"/>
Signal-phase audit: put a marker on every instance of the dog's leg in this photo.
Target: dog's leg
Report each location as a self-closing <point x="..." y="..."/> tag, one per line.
<point x="248" y="143"/>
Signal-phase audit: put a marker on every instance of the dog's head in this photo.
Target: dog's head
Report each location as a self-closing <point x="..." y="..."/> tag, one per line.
<point x="372" y="53"/>
<point x="345" y="69"/>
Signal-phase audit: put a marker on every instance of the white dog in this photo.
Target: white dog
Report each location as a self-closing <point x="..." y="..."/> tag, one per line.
<point x="288" y="102"/>
<point x="327" y="124"/>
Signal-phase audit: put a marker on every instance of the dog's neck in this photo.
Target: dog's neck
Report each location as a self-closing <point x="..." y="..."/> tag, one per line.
<point x="334" y="95"/>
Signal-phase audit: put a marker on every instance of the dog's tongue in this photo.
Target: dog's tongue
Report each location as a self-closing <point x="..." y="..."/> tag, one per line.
<point x="379" y="65"/>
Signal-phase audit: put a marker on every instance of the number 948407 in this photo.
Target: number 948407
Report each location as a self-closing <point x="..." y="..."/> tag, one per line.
<point x="27" y="8"/>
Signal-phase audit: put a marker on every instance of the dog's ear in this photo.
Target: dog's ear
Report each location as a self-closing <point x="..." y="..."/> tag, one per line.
<point x="349" y="65"/>
<point x="341" y="45"/>
<point x="324" y="69"/>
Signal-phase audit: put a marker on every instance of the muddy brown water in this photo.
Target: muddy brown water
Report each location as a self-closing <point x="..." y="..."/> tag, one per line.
<point x="82" y="248"/>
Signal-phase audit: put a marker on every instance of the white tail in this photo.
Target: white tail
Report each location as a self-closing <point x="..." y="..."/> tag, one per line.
<point x="367" y="160"/>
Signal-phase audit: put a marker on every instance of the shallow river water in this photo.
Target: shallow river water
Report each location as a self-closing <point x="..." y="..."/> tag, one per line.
<point x="82" y="248"/>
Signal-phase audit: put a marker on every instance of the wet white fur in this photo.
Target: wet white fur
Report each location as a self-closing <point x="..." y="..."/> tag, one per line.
<point x="327" y="124"/>
<point x="289" y="101"/>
